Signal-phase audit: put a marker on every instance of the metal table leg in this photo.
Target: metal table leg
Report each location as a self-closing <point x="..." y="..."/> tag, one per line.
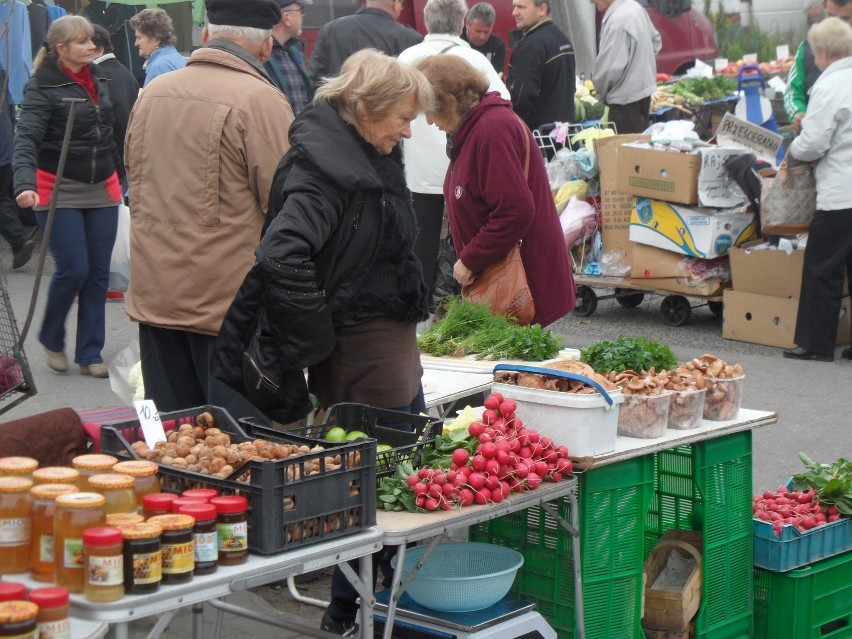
<point x="573" y="529"/>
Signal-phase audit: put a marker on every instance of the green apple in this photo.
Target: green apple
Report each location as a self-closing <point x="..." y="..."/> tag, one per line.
<point x="383" y="448"/>
<point x="356" y="434"/>
<point x="336" y="434"/>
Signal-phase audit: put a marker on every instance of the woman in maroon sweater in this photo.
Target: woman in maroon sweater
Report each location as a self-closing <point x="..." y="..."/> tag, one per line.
<point x="492" y="204"/>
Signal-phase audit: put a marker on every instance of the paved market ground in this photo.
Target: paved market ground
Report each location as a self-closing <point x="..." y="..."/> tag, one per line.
<point x="814" y="402"/>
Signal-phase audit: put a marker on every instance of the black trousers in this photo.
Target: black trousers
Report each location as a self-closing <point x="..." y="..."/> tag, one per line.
<point x="10" y="222"/>
<point x="828" y="259"/>
<point x="429" y="209"/>
<point x="632" y="117"/>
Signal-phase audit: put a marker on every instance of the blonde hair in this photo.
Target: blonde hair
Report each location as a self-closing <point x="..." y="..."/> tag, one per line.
<point x="62" y="31"/>
<point x="833" y="37"/>
<point x="373" y="83"/>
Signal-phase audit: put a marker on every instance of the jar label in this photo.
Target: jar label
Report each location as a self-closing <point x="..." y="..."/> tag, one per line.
<point x="45" y="548"/>
<point x="233" y="537"/>
<point x="14" y="531"/>
<point x="206" y="548"/>
<point x="178" y="558"/>
<point x="72" y="553"/>
<point x="147" y="568"/>
<point x="105" y="570"/>
<point x="55" y="629"/>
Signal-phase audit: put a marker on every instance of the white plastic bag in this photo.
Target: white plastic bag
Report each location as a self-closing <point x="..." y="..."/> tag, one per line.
<point x="119" y="265"/>
<point x="125" y="374"/>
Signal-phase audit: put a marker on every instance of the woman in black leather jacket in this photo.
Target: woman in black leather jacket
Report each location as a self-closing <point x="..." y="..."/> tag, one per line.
<point x="87" y="202"/>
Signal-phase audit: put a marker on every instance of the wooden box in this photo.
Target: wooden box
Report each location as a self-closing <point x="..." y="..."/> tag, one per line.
<point x="673" y="607"/>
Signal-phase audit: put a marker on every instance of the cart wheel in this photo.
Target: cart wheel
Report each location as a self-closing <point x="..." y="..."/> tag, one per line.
<point x="628" y="299"/>
<point x="716" y="308"/>
<point x="676" y="310"/>
<point x="587" y="301"/>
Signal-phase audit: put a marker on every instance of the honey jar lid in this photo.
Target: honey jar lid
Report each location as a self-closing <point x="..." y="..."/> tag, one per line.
<point x="111" y="481"/>
<point x="205" y="494"/>
<point x="17" y="611"/>
<point x="176" y="504"/>
<point x="80" y="500"/>
<point x="117" y="519"/>
<point x="158" y="501"/>
<point x="230" y="503"/>
<point x="18" y="465"/>
<point x="94" y="462"/>
<point x="102" y="536"/>
<point x="145" y="530"/>
<point x="200" y="511"/>
<point x="55" y="474"/>
<point x="52" y="491"/>
<point x="15" y="484"/>
<point x="136" y="468"/>
<point x="12" y="590"/>
<point x="173" y="522"/>
<point x="49" y="597"/>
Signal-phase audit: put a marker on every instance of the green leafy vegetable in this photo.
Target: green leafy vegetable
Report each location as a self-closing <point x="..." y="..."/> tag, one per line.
<point x="628" y="353"/>
<point x="833" y="483"/>
<point x="394" y="493"/>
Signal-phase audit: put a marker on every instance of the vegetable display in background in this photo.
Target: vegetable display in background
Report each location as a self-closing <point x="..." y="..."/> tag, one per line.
<point x="627" y="353"/>
<point x="832" y="484"/>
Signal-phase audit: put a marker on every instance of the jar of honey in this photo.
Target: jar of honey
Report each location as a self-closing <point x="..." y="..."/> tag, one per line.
<point x="203" y="494"/>
<point x="117" y="489"/>
<point x="56" y="475"/>
<point x="12" y="590"/>
<point x="144" y="475"/>
<point x="232" y="529"/>
<point x="157" y="504"/>
<point x="75" y="512"/>
<point x="204" y="536"/>
<point x="15" y="507"/>
<point x="177" y="546"/>
<point x="94" y="464"/>
<point x="53" y="618"/>
<point x="41" y="528"/>
<point x="143" y="558"/>
<point x="17" y="466"/>
<point x="180" y="502"/>
<point x="119" y="519"/>
<point x="18" y="620"/>
<point x="103" y="548"/>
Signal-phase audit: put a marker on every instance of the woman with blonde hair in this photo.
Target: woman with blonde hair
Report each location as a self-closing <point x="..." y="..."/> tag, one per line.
<point x="156" y="40"/>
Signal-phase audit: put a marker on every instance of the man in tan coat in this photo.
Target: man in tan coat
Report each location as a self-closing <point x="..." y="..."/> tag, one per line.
<point x="201" y="150"/>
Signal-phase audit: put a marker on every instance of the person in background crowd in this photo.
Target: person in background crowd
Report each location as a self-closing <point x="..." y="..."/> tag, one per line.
<point x="156" y="40"/>
<point x="123" y="90"/>
<point x="541" y="72"/>
<point x="805" y="72"/>
<point x="425" y="151"/>
<point x="496" y="189"/>
<point x="286" y="65"/>
<point x="340" y="288"/>
<point x="373" y="27"/>
<point x="87" y="199"/>
<point x="478" y="27"/>
<point x="813" y="11"/>
<point x="826" y="139"/>
<point x="201" y="150"/>
<point x="626" y="66"/>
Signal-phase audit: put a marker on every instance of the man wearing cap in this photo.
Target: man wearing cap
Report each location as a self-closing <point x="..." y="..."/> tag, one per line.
<point x="202" y="146"/>
<point x="373" y="27"/>
<point x="286" y="66"/>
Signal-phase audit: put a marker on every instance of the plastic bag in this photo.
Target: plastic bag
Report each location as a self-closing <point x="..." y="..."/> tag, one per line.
<point x="562" y="168"/>
<point x="579" y="222"/>
<point x="125" y="373"/>
<point x="119" y="265"/>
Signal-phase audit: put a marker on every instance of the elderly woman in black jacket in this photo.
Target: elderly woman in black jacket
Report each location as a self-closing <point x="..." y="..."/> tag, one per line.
<point x="89" y="193"/>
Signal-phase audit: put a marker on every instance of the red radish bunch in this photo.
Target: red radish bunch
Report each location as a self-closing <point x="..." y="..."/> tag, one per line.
<point x="508" y="458"/>
<point x="796" y="508"/>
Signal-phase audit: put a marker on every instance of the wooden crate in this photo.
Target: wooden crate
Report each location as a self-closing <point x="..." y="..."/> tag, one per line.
<point x="672" y="609"/>
<point x="689" y="633"/>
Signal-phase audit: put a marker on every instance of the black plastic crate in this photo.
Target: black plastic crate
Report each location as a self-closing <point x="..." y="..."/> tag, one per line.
<point x="407" y="445"/>
<point x="287" y="507"/>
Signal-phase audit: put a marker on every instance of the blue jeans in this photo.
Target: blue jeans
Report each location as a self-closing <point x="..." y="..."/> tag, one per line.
<point x="81" y="244"/>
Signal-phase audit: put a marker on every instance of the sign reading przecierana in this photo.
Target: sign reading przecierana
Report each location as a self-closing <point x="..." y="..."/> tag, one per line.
<point x="734" y="131"/>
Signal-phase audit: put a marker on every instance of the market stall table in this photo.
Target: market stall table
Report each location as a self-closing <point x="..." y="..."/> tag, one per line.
<point x="443" y="389"/>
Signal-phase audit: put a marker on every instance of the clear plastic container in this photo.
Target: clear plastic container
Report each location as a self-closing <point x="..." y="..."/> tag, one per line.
<point x="644" y="416"/>
<point x="686" y="409"/>
<point x="724" y="398"/>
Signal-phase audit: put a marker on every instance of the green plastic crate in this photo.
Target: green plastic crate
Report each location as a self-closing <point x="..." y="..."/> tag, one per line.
<point x="613" y="501"/>
<point x="707" y="487"/>
<point x="812" y="602"/>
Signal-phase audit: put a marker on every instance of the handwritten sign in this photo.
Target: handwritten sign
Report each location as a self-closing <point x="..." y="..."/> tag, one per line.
<point x="782" y="52"/>
<point x="739" y="133"/>
<point x="149" y="419"/>
<point x="715" y="186"/>
<point x="750" y="58"/>
<point x="720" y="64"/>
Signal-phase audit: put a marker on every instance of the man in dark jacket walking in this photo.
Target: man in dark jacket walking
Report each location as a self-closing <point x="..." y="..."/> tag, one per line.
<point x="374" y="26"/>
<point x="287" y="66"/>
<point x="541" y="71"/>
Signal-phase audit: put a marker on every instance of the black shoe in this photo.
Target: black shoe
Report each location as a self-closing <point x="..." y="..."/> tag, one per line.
<point x="847" y="353"/>
<point x="23" y="254"/>
<point x="801" y="353"/>
<point x="342" y="628"/>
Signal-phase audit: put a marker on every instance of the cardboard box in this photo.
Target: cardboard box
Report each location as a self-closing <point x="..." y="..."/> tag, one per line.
<point x="615" y="206"/>
<point x="653" y="173"/>
<point x="650" y="262"/>
<point x="693" y="231"/>
<point x="771" y="321"/>
<point x="715" y="186"/>
<point x="766" y="272"/>
<point x="712" y="287"/>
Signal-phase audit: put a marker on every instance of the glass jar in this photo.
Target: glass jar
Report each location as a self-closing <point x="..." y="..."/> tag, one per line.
<point x="202" y="494"/>
<point x="145" y="480"/>
<point x="143" y="558"/>
<point x="204" y="536"/>
<point x="15" y="506"/>
<point x="18" y="620"/>
<point x="53" y="620"/>
<point x="12" y="590"/>
<point x="178" y="548"/>
<point x="41" y="528"/>
<point x="17" y="466"/>
<point x="180" y="502"/>
<point x="103" y="549"/>
<point x="157" y="504"/>
<point x="74" y="513"/>
<point x="93" y="464"/>
<point x="232" y="529"/>
<point x="119" y="519"/>
<point x="117" y="490"/>
<point x="56" y="475"/>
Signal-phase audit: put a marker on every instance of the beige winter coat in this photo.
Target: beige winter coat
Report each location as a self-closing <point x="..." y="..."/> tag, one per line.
<point x="201" y="150"/>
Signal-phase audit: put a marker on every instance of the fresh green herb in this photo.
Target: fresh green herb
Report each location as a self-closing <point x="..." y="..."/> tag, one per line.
<point x="439" y="455"/>
<point x="833" y="483"/>
<point x="394" y="493"/>
<point x="627" y="353"/>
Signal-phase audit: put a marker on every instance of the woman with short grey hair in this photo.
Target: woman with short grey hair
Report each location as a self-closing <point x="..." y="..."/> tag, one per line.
<point x="156" y="40"/>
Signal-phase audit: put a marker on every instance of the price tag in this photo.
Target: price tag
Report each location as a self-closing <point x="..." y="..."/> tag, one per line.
<point x="149" y="419"/>
<point x="750" y="58"/>
<point x="720" y="64"/>
<point x="782" y="52"/>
